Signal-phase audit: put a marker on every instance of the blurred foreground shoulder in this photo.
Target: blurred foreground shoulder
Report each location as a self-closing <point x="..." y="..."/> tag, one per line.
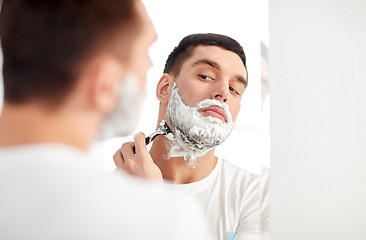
<point x="54" y="192"/>
<point x="159" y="210"/>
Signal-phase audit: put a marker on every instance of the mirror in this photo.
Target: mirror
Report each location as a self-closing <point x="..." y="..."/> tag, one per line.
<point x="247" y="22"/>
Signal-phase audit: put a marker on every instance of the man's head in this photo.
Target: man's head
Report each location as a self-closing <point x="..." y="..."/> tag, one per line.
<point x="46" y="44"/>
<point x="186" y="46"/>
<point x="125" y="115"/>
<point x="76" y="55"/>
<point x="201" y="90"/>
<point x="206" y="66"/>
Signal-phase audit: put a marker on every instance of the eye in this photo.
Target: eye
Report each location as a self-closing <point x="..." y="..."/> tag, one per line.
<point x="234" y="91"/>
<point x="204" y="77"/>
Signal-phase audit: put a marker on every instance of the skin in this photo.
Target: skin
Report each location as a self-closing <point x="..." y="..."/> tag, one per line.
<point x="90" y="101"/>
<point x="140" y="61"/>
<point x="210" y="73"/>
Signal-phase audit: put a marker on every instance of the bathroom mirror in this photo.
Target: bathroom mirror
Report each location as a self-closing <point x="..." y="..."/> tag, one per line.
<point x="245" y="21"/>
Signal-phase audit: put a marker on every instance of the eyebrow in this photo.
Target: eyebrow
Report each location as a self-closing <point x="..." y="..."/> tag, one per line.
<point x="242" y="80"/>
<point x="208" y="62"/>
<point x="213" y="64"/>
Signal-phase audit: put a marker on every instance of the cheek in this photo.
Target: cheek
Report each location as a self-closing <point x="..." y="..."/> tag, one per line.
<point x="186" y="92"/>
<point x="139" y="66"/>
<point x="187" y="99"/>
<point x="234" y="110"/>
<point x="192" y="93"/>
<point x="191" y="97"/>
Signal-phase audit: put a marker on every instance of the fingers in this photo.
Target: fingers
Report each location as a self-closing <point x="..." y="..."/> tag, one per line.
<point x="139" y="164"/>
<point x="118" y="159"/>
<point x="140" y="143"/>
<point x="126" y="149"/>
<point x="123" y="154"/>
<point x="129" y="157"/>
<point x="126" y="159"/>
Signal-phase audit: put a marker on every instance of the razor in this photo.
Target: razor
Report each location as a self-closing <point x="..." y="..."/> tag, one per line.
<point x="163" y="129"/>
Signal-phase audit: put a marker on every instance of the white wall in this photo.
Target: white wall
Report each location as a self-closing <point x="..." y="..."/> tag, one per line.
<point x="318" y="74"/>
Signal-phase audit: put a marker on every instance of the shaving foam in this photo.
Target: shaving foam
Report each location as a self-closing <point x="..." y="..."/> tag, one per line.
<point x="194" y="133"/>
<point x="169" y="135"/>
<point x="124" y="118"/>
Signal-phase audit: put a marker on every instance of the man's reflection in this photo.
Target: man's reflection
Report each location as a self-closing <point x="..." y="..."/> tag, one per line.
<point x="200" y="94"/>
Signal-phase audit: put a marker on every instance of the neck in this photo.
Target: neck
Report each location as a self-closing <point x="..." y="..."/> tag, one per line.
<point x="176" y="169"/>
<point x="31" y="123"/>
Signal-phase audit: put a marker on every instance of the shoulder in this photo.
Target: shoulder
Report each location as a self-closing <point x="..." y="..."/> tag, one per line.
<point x="244" y="189"/>
<point x="163" y="213"/>
<point x="64" y="183"/>
<point x="238" y="175"/>
<point x="240" y="185"/>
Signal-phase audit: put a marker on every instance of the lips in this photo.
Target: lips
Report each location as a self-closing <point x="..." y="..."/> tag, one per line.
<point x="215" y="112"/>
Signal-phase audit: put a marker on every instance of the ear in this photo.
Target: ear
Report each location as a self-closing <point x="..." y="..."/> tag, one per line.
<point x="105" y="78"/>
<point x="164" y="88"/>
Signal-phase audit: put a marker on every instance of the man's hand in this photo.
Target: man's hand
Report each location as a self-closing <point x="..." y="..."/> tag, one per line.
<point x="140" y="164"/>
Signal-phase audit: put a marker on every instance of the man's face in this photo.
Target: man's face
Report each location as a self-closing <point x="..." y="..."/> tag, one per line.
<point x="124" y="117"/>
<point x="204" y="101"/>
<point x="212" y="73"/>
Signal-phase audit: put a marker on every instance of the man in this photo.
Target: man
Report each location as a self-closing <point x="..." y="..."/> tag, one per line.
<point x="65" y="71"/>
<point x="200" y="93"/>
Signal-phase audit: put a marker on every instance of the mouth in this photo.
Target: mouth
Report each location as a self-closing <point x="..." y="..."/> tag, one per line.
<point x="215" y="112"/>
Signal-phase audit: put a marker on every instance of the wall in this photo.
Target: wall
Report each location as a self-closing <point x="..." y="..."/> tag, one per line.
<point x="318" y="119"/>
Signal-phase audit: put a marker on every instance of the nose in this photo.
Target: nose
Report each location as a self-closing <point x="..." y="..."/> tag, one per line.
<point x="220" y="97"/>
<point x="221" y="92"/>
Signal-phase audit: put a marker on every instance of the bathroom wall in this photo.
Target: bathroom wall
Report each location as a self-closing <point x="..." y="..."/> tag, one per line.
<point x="318" y="119"/>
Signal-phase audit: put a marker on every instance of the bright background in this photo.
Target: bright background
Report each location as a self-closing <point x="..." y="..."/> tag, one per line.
<point x="245" y="21"/>
<point x="318" y="119"/>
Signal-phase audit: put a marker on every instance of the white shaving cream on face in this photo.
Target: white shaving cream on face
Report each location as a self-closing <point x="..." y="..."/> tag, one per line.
<point x="124" y="118"/>
<point x="194" y="133"/>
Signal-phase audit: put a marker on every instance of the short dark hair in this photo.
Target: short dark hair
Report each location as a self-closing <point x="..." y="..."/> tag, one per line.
<point x="186" y="46"/>
<point x="46" y="42"/>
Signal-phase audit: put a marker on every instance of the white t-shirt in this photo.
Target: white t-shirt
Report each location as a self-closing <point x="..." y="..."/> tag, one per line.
<point x="53" y="192"/>
<point x="231" y="199"/>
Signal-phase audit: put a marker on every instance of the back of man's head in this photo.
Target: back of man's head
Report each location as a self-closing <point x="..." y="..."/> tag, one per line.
<point x="45" y="43"/>
<point x="186" y="46"/>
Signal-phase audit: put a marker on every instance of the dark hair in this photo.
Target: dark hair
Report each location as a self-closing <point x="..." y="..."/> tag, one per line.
<point x="46" y="42"/>
<point x="186" y="46"/>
